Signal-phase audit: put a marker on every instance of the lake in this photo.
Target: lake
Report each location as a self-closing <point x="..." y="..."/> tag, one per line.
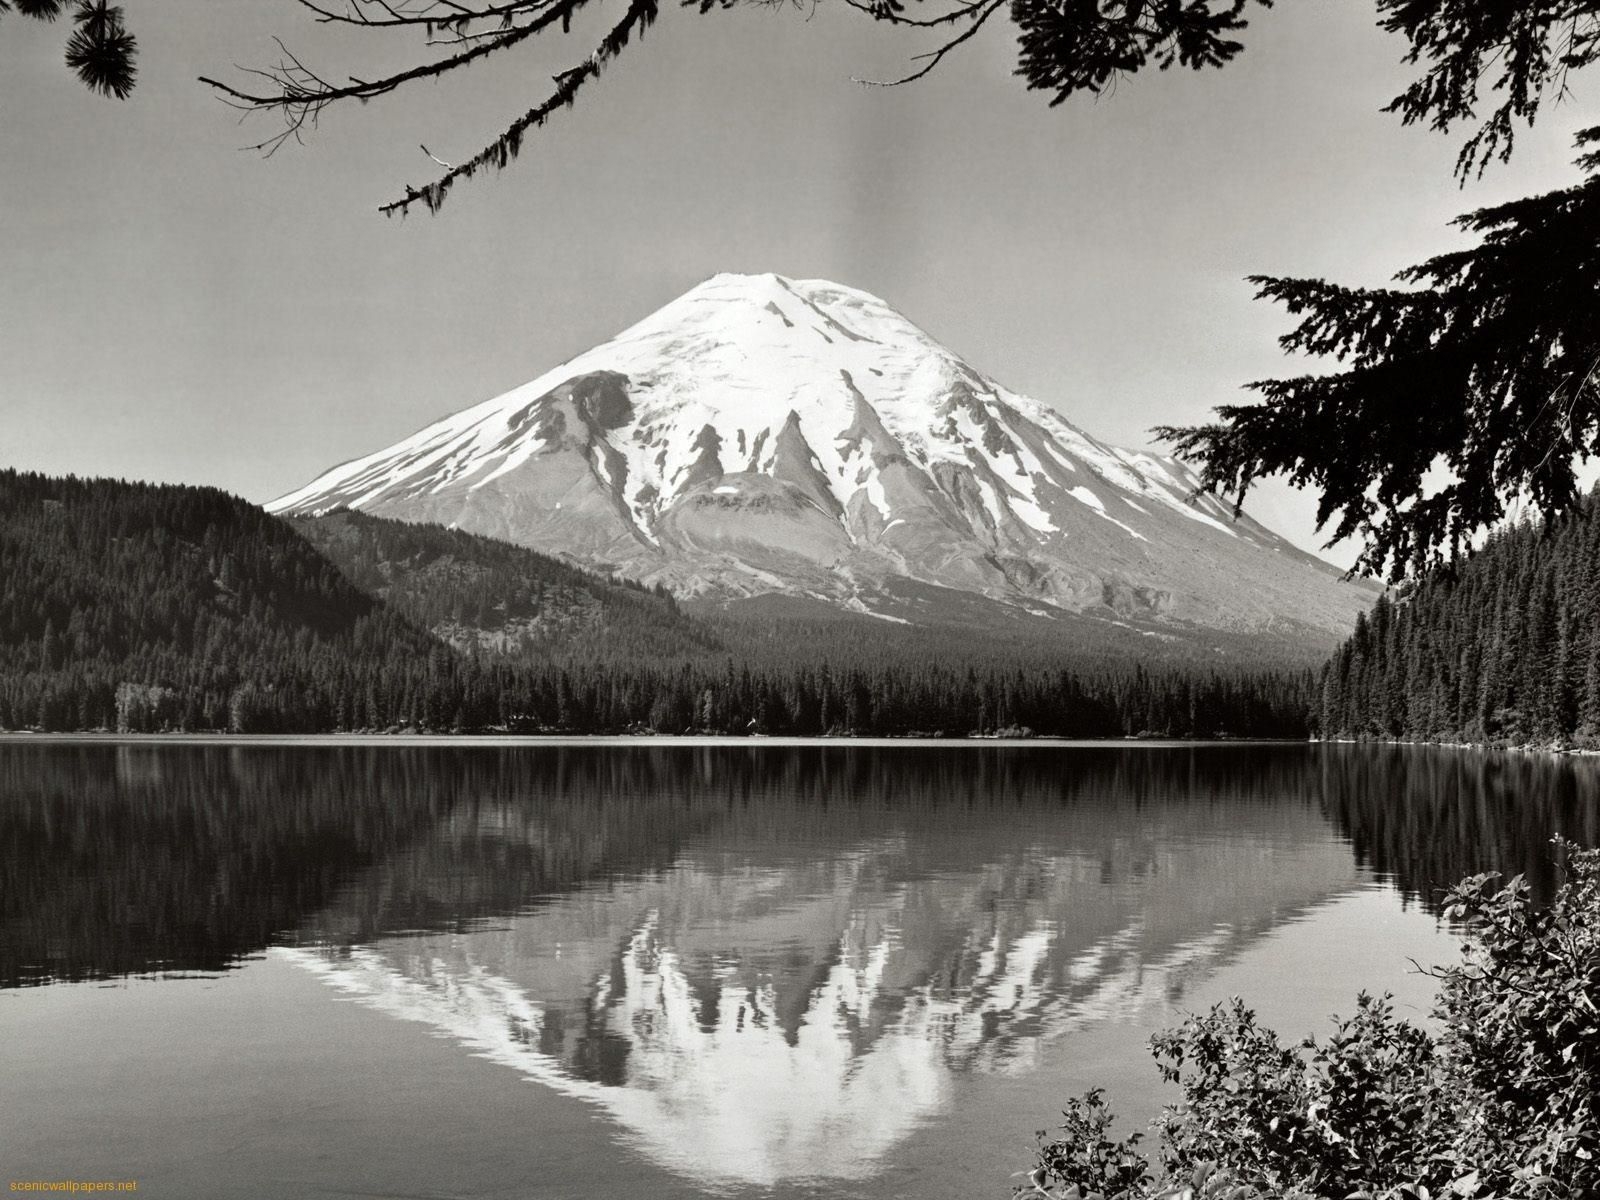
<point x="532" y="970"/>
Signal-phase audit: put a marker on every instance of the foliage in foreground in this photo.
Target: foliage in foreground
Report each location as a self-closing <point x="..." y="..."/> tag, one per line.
<point x="1503" y="1101"/>
<point x="1507" y="57"/>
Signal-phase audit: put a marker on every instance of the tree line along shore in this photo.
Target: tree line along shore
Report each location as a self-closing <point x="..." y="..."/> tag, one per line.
<point x="142" y="608"/>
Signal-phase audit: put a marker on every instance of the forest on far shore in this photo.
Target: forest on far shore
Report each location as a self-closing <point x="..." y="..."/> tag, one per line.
<point x="147" y="608"/>
<point x="1503" y="647"/>
<point x="144" y="608"/>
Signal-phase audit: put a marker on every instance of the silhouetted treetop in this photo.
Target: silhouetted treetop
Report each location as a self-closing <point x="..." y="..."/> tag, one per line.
<point x="1472" y="383"/>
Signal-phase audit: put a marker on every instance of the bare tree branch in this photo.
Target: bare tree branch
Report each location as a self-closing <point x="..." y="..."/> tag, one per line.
<point x="935" y="57"/>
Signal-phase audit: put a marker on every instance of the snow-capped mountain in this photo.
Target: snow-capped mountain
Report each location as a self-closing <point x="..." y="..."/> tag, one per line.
<point x="762" y="434"/>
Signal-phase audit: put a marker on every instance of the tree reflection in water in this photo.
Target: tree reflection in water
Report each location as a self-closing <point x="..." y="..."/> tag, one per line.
<point x="139" y="859"/>
<point x="763" y="962"/>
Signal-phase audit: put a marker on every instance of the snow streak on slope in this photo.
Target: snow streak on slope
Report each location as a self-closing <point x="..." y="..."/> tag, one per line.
<point x="761" y="434"/>
<point x="763" y="1019"/>
<point x="739" y="1104"/>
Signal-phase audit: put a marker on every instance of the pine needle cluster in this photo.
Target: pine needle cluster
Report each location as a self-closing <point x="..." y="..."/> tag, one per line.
<point x="100" y="50"/>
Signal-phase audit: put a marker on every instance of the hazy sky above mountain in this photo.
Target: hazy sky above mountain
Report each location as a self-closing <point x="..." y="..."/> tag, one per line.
<point x="175" y="309"/>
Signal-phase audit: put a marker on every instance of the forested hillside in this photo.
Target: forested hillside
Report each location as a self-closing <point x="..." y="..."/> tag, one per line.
<point x="988" y="634"/>
<point x="135" y="606"/>
<point x="481" y="594"/>
<point x="1504" y="647"/>
<point x="138" y="607"/>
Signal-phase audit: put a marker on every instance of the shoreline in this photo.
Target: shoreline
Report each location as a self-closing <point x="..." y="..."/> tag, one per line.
<point x="752" y="741"/>
<point x="1484" y="747"/>
<point x="668" y="741"/>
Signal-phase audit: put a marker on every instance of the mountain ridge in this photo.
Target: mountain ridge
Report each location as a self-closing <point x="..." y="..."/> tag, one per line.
<point x="763" y="434"/>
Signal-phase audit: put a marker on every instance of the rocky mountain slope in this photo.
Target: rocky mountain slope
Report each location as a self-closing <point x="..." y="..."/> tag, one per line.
<point x="767" y="435"/>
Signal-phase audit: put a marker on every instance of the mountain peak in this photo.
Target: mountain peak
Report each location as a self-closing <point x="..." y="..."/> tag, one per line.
<point x="753" y="280"/>
<point x="768" y="284"/>
<point x="732" y="286"/>
<point x="799" y="304"/>
<point x="762" y="433"/>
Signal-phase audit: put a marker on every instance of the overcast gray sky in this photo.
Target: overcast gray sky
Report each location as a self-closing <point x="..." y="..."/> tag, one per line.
<point x="175" y="309"/>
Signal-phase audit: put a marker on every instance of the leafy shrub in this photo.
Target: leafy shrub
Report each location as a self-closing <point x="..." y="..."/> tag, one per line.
<point x="1502" y="1102"/>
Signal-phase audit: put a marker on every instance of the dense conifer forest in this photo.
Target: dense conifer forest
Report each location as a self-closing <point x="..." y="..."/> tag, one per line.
<point x="1502" y="648"/>
<point x="484" y="595"/>
<point x="146" y="608"/>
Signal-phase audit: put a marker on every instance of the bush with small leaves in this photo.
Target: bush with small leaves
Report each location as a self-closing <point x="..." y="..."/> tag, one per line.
<point x="1084" y="1162"/>
<point x="1501" y="1103"/>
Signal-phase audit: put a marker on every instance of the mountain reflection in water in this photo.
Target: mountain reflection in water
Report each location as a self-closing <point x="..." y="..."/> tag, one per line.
<point x="765" y="963"/>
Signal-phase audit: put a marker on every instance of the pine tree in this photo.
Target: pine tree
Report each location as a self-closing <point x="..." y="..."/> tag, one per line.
<point x="1502" y="647"/>
<point x="1486" y="363"/>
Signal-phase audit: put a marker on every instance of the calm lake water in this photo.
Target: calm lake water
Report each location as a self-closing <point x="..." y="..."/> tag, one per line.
<point x="540" y="971"/>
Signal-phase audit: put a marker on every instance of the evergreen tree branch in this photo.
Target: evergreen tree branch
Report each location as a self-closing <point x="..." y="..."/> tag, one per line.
<point x="1522" y="50"/>
<point x="1515" y="54"/>
<point x="641" y="15"/>
<point x="100" y="50"/>
<point x="1476" y="386"/>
